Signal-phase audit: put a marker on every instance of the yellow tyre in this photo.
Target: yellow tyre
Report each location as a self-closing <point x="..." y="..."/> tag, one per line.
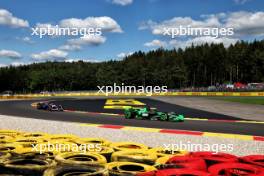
<point x="42" y="136"/>
<point x="100" y="141"/>
<point x="56" y="146"/>
<point x="28" y="166"/>
<point x="163" y="159"/>
<point x="27" y="142"/>
<point x="76" y="170"/>
<point x="80" y="158"/>
<point x="164" y="152"/>
<point x="4" y="139"/>
<point x="105" y="151"/>
<point x="10" y="148"/>
<point x="125" y="168"/>
<point x="137" y="156"/>
<point x="12" y="133"/>
<point x="62" y="137"/>
<point x="128" y="146"/>
<point x="4" y="156"/>
<point x="34" y="155"/>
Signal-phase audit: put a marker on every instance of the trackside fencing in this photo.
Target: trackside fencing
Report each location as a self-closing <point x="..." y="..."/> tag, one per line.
<point x="73" y="94"/>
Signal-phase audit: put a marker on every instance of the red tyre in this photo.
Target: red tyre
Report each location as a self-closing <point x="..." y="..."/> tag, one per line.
<point x="235" y="169"/>
<point x="181" y="172"/>
<point x="151" y="173"/>
<point x="187" y="162"/>
<point x="215" y="158"/>
<point x="257" y="160"/>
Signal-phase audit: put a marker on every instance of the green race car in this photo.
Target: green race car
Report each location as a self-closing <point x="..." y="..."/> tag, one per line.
<point x="152" y="114"/>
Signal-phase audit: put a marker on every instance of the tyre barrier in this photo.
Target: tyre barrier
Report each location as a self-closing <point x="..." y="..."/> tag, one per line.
<point x="28" y="166"/>
<point x="64" y="137"/>
<point x="235" y="169"/>
<point x="106" y="152"/>
<point x="23" y="154"/>
<point x="128" y="168"/>
<point x="80" y="158"/>
<point x="37" y="136"/>
<point x="168" y="152"/>
<point x="128" y="146"/>
<point x="137" y="156"/>
<point x="4" y="156"/>
<point x="215" y="158"/>
<point x="75" y="170"/>
<point x="10" y="148"/>
<point x="99" y="141"/>
<point x="176" y="172"/>
<point x="182" y="162"/>
<point x="11" y="133"/>
<point x="27" y="141"/>
<point x="4" y="139"/>
<point x="254" y="159"/>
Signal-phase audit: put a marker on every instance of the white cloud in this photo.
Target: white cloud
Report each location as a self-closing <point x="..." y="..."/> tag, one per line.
<point x="155" y="43"/>
<point x="158" y="28"/>
<point x="241" y="1"/>
<point x="122" y="55"/>
<point x="84" y="60"/>
<point x="16" y="64"/>
<point x="201" y="40"/>
<point x="7" y="18"/>
<point x="10" y="54"/>
<point x="25" y="39"/>
<point x="122" y="2"/>
<point x="3" y="65"/>
<point x="76" y="44"/>
<point x="87" y="40"/>
<point x="244" y="23"/>
<point x="68" y="47"/>
<point x="105" y="23"/>
<point x="53" y="54"/>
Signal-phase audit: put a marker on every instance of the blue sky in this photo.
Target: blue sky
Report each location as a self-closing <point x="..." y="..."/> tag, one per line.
<point x="132" y="25"/>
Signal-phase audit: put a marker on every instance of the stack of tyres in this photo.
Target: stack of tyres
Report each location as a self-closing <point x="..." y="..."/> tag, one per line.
<point x="75" y="170"/>
<point x="98" y="145"/>
<point x="26" y="166"/>
<point x="184" y="162"/>
<point x="137" y="156"/>
<point x="212" y="158"/>
<point x="257" y="160"/>
<point x="128" y="146"/>
<point x="175" y="172"/>
<point x="69" y="158"/>
<point x="128" y="168"/>
<point x="235" y="169"/>
<point x="20" y="156"/>
<point x="168" y="152"/>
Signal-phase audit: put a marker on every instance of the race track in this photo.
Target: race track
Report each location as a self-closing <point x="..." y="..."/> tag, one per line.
<point x="23" y="108"/>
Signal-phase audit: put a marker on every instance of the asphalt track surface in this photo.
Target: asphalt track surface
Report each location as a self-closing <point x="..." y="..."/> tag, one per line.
<point x="23" y="108"/>
<point x="97" y="105"/>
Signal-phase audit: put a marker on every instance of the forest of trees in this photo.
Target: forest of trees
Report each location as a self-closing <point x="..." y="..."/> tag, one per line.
<point x="196" y="66"/>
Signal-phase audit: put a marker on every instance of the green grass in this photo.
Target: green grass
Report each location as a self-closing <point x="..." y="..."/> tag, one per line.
<point x="247" y="100"/>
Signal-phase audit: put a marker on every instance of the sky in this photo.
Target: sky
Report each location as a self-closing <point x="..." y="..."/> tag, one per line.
<point x="126" y="26"/>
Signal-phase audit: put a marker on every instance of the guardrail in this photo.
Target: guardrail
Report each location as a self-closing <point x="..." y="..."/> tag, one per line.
<point x="25" y="96"/>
